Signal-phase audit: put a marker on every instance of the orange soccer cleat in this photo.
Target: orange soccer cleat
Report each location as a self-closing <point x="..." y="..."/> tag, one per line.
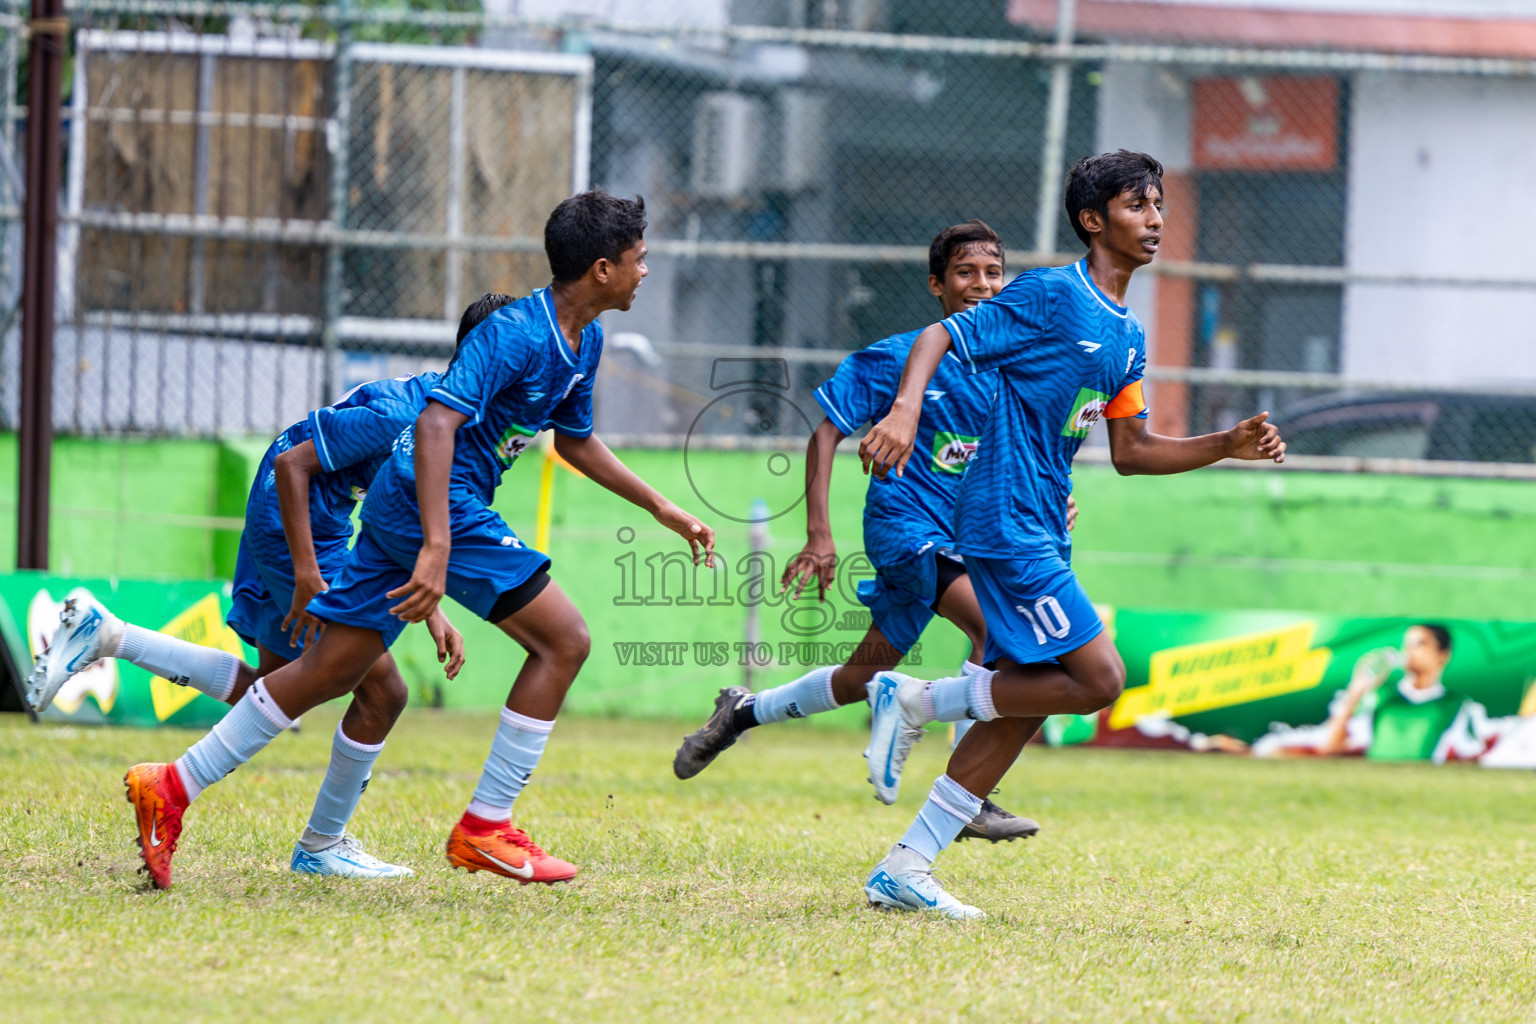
<point x="158" y="799"/>
<point x="479" y="845"/>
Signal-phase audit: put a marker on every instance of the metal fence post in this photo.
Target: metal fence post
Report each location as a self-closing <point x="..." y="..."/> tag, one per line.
<point x="10" y="183"/>
<point x="1055" y="130"/>
<point x="50" y="31"/>
<point x="339" y="142"/>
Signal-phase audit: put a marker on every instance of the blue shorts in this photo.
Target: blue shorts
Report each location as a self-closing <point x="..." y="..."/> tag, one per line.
<point x="263" y="594"/>
<point x="1035" y="609"/>
<point x="900" y="598"/>
<point x="486" y="561"/>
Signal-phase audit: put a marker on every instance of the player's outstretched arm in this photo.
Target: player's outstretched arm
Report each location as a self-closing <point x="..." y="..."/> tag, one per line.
<point x="818" y="559"/>
<point x="597" y="461"/>
<point x="1135" y="450"/>
<point x="293" y="470"/>
<point x="433" y="457"/>
<point x="889" y="442"/>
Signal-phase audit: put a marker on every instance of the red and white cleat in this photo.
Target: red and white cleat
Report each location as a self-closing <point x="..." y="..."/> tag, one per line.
<point x="478" y="845"/>
<point x="158" y="800"/>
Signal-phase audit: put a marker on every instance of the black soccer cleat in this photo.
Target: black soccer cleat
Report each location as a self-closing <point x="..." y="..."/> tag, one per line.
<point x="703" y="746"/>
<point x="996" y="825"/>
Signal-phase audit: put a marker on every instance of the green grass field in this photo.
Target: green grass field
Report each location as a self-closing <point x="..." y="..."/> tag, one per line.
<point x="1164" y="887"/>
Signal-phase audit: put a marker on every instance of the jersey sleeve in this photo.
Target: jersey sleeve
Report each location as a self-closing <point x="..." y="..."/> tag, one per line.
<point x="357" y="433"/>
<point x="1128" y="401"/>
<point x="491" y="359"/>
<point x="864" y="384"/>
<point x="1002" y="329"/>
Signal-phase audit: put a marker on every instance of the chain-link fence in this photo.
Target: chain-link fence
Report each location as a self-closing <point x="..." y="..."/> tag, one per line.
<point x="266" y="204"/>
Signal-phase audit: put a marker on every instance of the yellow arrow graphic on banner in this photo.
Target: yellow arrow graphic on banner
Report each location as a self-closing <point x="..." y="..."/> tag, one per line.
<point x="202" y="624"/>
<point x="1220" y="673"/>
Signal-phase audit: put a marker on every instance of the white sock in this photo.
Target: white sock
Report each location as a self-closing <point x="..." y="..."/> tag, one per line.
<point x="968" y="695"/>
<point x="245" y="729"/>
<point x="206" y="669"/>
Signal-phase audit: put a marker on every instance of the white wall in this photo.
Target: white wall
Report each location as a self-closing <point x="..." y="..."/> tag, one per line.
<point x="1145" y="108"/>
<point x="1440" y="183"/>
<point x="663" y="13"/>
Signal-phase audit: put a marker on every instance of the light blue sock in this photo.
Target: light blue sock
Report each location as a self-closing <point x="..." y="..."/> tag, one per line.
<point x="346" y="778"/>
<point x="968" y="695"/>
<point x="949" y="809"/>
<point x="250" y="725"/>
<point x="811" y="694"/>
<point x="515" y="753"/>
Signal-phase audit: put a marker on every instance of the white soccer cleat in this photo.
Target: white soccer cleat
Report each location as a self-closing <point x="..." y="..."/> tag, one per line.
<point x="86" y="634"/>
<point x="347" y="859"/>
<point x="904" y="881"/>
<point x="895" y="726"/>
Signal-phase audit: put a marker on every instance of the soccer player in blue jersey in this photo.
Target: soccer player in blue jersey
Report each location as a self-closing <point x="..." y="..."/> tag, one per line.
<point x="907" y="533"/>
<point x="298" y="527"/>
<point x="1067" y="352"/>
<point x="428" y="530"/>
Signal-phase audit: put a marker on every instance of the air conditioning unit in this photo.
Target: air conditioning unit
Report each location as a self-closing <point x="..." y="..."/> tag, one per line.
<point x="727" y="138"/>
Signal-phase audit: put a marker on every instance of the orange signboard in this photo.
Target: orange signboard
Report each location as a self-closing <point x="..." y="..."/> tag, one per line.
<point x="1278" y="123"/>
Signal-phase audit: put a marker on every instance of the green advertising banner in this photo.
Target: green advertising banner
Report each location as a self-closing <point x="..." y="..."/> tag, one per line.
<point x="1290" y="684"/>
<point x="112" y="691"/>
<point x="1265" y="683"/>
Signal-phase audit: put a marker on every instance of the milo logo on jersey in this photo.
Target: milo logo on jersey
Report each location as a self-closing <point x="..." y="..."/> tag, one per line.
<point x="1086" y="411"/>
<point x="513" y="441"/>
<point x="952" y="451"/>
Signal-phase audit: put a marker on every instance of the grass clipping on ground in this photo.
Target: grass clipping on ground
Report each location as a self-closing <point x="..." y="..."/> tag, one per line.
<point x="1163" y="887"/>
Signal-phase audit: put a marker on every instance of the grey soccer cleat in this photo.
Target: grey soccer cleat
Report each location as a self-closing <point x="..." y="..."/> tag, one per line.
<point x="705" y="744"/>
<point x="996" y="825"/>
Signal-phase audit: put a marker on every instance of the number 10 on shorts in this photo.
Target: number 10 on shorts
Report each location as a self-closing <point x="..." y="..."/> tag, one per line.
<point x="1045" y="617"/>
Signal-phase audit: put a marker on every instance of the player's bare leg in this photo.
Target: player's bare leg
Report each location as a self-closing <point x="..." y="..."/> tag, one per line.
<point x="555" y="636"/>
<point x="1087" y="680"/>
<point x="332" y="667"/>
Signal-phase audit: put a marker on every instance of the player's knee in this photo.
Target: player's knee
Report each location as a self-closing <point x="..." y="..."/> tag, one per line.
<point x="565" y="649"/>
<point x="1104" y="685"/>
<point x="576" y="645"/>
<point x="383" y="693"/>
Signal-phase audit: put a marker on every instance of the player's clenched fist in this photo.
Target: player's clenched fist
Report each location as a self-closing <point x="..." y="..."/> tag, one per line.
<point x="1256" y="438"/>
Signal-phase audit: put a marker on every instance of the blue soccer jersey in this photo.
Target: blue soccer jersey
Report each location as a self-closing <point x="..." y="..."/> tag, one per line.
<point x="352" y="437"/>
<point x="905" y="515"/>
<point x="1066" y="356"/>
<point x="514" y="375"/>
